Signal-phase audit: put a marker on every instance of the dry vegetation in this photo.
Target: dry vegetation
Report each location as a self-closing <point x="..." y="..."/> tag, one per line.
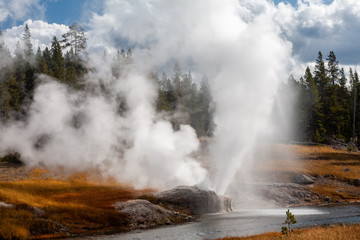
<point x="343" y="232"/>
<point x="334" y="170"/>
<point x="46" y="208"/>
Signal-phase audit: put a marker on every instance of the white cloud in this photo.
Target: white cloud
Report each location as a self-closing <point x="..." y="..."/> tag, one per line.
<point x="314" y="26"/>
<point x="41" y="32"/>
<point x="21" y="9"/>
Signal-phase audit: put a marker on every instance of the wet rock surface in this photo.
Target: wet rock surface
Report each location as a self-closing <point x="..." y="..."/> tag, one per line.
<point x="194" y="200"/>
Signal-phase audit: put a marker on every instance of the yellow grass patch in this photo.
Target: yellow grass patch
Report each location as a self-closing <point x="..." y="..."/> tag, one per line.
<point x="79" y="205"/>
<point x="281" y="162"/>
<point x="324" y="160"/>
<point x="342" y="232"/>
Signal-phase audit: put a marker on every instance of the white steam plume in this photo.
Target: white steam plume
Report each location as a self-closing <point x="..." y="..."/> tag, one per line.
<point x="236" y="43"/>
<point x="81" y="131"/>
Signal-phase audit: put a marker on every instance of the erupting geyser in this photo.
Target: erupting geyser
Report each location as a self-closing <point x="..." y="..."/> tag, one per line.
<point x="241" y="52"/>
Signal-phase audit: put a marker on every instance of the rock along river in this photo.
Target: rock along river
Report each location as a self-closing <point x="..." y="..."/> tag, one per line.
<point x="244" y="223"/>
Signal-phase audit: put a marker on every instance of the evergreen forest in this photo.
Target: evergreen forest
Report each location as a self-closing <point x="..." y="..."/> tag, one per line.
<point x="183" y="101"/>
<point x="326" y="105"/>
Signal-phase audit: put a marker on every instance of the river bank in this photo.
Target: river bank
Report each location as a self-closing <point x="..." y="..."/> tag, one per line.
<point x="38" y="203"/>
<point x="245" y="223"/>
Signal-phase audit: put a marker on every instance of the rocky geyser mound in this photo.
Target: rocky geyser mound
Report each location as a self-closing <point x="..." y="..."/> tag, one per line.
<point x="194" y="200"/>
<point x="179" y="204"/>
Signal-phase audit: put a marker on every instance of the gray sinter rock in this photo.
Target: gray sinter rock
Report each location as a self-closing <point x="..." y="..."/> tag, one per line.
<point x="190" y="200"/>
<point x="302" y="179"/>
<point x="194" y="200"/>
<point x="287" y="194"/>
<point x="144" y="214"/>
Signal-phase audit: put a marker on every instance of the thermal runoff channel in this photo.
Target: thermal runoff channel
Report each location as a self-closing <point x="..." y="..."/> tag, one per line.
<point x="112" y="123"/>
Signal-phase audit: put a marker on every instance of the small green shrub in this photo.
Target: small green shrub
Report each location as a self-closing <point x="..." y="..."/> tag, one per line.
<point x="290" y="219"/>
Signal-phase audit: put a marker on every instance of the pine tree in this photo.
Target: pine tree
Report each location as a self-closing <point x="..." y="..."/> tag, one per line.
<point x="207" y="109"/>
<point x="28" y="51"/>
<point x="333" y="68"/>
<point x="41" y="64"/>
<point x="354" y="91"/>
<point x="176" y="80"/>
<point x="314" y="124"/>
<point x="343" y="79"/>
<point x="320" y="76"/>
<point x="15" y="93"/>
<point x="20" y="71"/>
<point x="356" y="105"/>
<point x="5" y="98"/>
<point x="332" y="110"/>
<point x="57" y="60"/>
<point x="290" y="220"/>
<point x="345" y="102"/>
<point x="5" y="53"/>
<point x="46" y="64"/>
<point x="70" y="70"/>
<point x="166" y="98"/>
<point x="75" y="38"/>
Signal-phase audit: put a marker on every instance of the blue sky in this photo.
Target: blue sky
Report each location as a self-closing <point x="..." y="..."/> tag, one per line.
<point x="64" y="11"/>
<point x="54" y="11"/>
<point x="312" y="26"/>
<point x="69" y="11"/>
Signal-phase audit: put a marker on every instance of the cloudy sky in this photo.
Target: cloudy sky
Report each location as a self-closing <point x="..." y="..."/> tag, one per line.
<point x="309" y="25"/>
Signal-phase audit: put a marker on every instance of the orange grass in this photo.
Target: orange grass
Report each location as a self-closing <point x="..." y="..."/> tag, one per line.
<point x="79" y="205"/>
<point x="335" y="169"/>
<point x="343" y="232"/>
<point x="312" y="160"/>
<point x="324" y="160"/>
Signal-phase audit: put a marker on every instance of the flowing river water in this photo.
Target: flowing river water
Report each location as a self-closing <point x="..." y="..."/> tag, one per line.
<point x="244" y="222"/>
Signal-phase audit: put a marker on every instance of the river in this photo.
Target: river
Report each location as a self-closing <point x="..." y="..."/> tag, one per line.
<point x="244" y="222"/>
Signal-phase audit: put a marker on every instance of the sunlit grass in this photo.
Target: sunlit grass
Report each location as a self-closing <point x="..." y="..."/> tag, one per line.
<point x="77" y="204"/>
<point x="324" y="160"/>
<point x="312" y="160"/>
<point x="335" y="169"/>
<point x="81" y="204"/>
<point x="319" y="233"/>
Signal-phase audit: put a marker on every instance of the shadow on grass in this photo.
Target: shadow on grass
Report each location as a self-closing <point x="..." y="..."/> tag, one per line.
<point x="337" y="156"/>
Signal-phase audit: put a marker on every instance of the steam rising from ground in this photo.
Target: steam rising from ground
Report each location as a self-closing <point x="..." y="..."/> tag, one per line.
<point x="84" y="131"/>
<point x="240" y="50"/>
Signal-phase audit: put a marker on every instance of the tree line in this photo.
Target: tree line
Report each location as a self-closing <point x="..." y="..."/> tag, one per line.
<point x="19" y="71"/>
<point x="326" y="105"/>
<point x="179" y="97"/>
<point x="327" y="102"/>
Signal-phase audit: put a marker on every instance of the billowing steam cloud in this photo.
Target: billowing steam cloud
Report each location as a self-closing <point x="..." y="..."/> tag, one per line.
<point x="84" y="131"/>
<point x="239" y="49"/>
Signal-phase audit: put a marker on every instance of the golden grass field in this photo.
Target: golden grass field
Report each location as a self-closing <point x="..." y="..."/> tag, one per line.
<point x="341" y="232"/>
<point x="77" y="205"/>
<point x="45" y="207"/>
<point x="334" y="169"/>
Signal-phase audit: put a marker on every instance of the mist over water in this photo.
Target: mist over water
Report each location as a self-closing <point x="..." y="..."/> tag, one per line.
<point x="241" y="52"/>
